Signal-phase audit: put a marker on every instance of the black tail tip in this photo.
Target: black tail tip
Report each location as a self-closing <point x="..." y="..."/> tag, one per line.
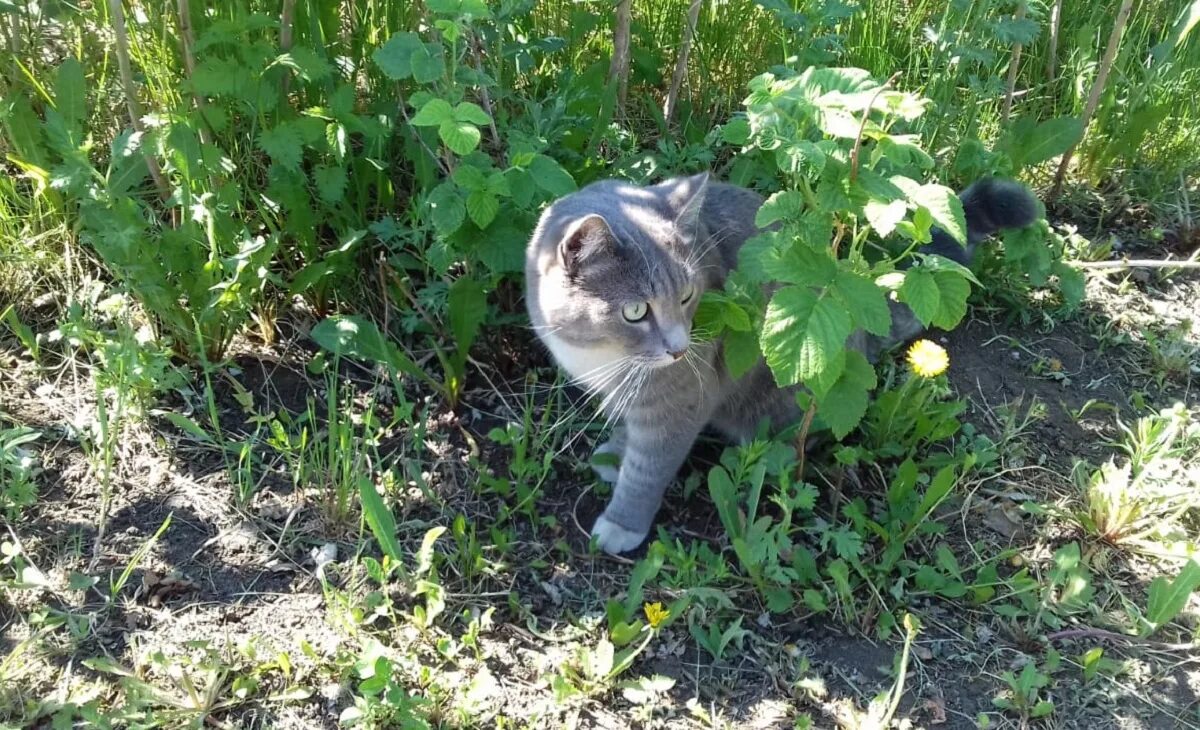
<point x="993" y="204"/>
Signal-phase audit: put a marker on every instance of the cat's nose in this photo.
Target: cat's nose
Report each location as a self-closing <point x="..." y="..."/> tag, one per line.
<point x="677" y="354"/>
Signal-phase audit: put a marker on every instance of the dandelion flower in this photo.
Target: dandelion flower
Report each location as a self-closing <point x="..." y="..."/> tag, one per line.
<point x="928" y="359"/>
<point x="656" y="614"/>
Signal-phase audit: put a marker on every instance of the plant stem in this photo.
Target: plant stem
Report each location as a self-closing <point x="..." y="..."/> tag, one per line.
<point x="1110" y="55"/>
<point x="681" y="61"/>
<point x="1014" y="65"/>
<point x="130" y="90"/>
<point x="619" y="68"/>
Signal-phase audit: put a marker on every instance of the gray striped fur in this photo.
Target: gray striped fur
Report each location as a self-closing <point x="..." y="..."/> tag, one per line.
<point x="611" y="244"/>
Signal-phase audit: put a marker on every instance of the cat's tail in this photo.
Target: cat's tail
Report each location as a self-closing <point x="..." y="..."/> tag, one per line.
<point x="990" y="205"/>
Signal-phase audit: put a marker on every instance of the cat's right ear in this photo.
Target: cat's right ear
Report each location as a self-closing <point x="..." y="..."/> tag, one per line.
<point x="585" y="237"/>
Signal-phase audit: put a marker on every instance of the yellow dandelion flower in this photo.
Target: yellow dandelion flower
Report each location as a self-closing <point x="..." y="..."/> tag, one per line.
<point x="655" y="614"/>
<point x="928" y="359"/>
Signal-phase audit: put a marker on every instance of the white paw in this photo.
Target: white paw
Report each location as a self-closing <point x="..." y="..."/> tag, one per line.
<point x="614" y="539"/>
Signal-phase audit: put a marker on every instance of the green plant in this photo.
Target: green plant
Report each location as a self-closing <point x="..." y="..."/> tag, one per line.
<point x="18" y="470"/>
<point x="1024" y="696"/>
<point x="1144" y="497"/>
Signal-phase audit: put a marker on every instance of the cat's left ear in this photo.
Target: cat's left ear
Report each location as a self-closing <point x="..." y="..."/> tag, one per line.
<point x="686" y="195"/>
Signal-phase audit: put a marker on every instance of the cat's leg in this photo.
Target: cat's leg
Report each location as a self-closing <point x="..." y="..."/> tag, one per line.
<point x="615" y="445"/>
<point x="652" y="459"/>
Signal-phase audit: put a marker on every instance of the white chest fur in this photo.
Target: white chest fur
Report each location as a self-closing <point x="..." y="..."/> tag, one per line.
<point x="594" y="368"/>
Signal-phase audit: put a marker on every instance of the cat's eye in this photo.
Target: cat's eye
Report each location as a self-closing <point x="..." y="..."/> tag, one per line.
<point x="688" y="294"/>
<point x="635" y="311"/>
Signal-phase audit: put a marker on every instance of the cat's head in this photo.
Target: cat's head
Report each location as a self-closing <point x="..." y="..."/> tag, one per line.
<point x="613" y="271"/>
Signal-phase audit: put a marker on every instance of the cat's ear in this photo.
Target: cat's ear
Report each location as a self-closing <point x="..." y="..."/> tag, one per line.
<point x="686" y="195"/>
<point x="584" y="237"/>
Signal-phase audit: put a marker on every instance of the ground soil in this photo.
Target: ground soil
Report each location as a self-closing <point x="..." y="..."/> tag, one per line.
<point x="232" y="573"/>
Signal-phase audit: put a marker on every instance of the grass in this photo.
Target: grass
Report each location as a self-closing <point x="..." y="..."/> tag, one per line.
<point x="279" y="449"/>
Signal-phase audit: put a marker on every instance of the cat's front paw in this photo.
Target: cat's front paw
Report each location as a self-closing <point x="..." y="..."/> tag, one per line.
<point x="614" y="539"/>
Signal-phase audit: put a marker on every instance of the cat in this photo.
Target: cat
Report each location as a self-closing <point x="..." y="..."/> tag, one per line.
<point x="614" y="273"/>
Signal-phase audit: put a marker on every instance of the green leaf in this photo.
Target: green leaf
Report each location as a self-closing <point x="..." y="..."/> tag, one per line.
<point x="447" y="210"/>
<point x="953" y="290"/>
<point x="883" y="217"/>
<point x="283" y="144"/>
<point x="468" y="112"/>
<point x="461" y="137"/>
<point x="425" y="552"/>
<point x="800" y="263"/>
<point x="1028" y="142"/>
<point x="394" y="58"/>
<point x="427" y="63"/>
<point x="468" y="310"/>
<point x="482" y="206"/>
<point x="470" y="177"/>
<point x="1071" y="284"/>
<point x="358" y="337"/>
<point x="550" y="176"/>
<point x="1026" y="250"/>
<point x="785" y="205"/>
<point x="803" y="334"/>
<point x="306" y="63"/>
<point x="434" y="113"/>
<point x="846" y="402"/>
<point x="865" y="302"/>
<point x="921" y="293"/>
<point x="741" y="351"/>
<point x="736" y="131"/>
<point x="330" y="182"/>
<point x="380" y="520"/>
<point x="1166" y="599"/>
<point x="70" y="94"/>
<point x="944" y="206"/>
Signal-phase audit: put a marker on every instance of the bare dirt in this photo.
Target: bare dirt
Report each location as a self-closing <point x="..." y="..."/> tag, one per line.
<point x="231" y="574"/>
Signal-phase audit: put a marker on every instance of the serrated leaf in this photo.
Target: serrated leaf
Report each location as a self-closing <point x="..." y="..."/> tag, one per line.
<point x="283" y="143"/>
<point x="865" y="302"/>
<point x="447" y="210"/>
<point x="741" y="351"/>
<point x="550" y="176"/>
<point x="394" y="58"/>
<point x="953" y="291"/>
<point x="944" y="206"/>
<point x="844" y="405"/>
<point x="306" y="63"/>
<point x="920" y="292"/>
<point x="1071" y="284"/>
<point x="461" y="137"/>
<point x="497" y="184"/>
<point x="883" y="217"/>
<point x="784" y="205"/>
<point x="482" y="206"/>
<point x="794" y="263"/>
<point x="469" y="112"/>
<point x="427" y="63"/>
<point x="434" y="113"/>
<point x="736" y="131"/>
<point x="802" y="334"/>
<point x="470" y="177"/>
<point x="1026" y="249"/>
<point x="330" y="182"/>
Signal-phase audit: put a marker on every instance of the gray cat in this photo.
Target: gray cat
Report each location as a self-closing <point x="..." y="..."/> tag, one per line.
<point x="613" y="276"/>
